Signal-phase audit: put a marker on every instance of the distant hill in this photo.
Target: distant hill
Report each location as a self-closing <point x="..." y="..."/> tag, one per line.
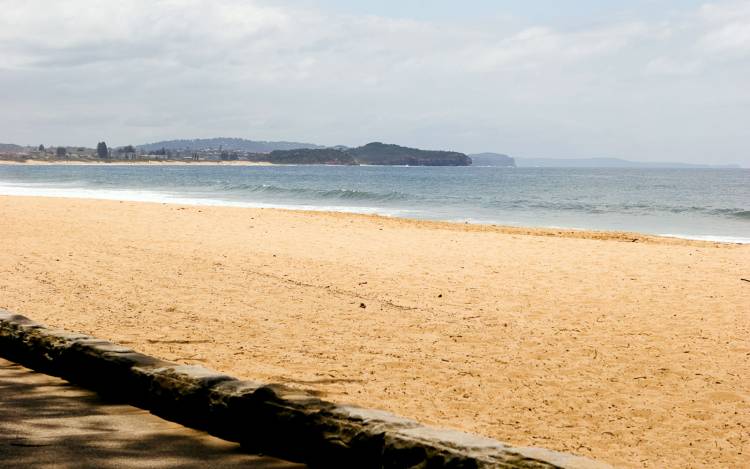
<point x="228" y="144"/>
<point x="492" y="159"/>
<point x="10" y="147"/>
<point x="605" y="163"/>
<point x="377" y="153"/>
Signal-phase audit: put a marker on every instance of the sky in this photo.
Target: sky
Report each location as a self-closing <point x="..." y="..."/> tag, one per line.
<point x="646" y="80"/>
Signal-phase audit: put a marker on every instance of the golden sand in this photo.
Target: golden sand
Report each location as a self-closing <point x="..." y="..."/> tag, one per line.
<point x="630" y="349"/>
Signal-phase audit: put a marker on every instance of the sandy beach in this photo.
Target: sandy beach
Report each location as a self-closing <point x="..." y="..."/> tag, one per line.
<point x="630" y="349"/>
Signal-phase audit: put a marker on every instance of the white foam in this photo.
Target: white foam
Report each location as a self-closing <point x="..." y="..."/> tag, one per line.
<point x="129" y="195"/>
<point x="714" y="238"/>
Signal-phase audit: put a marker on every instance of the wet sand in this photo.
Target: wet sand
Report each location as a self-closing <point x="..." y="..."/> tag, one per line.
<point x="630" y="349"/>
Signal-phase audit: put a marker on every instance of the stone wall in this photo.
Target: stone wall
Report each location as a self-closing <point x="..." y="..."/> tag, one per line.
<point x="266" y="418"/>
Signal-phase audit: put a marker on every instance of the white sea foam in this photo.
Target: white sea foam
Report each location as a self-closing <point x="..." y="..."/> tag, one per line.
<point x="131" y="195"/>
<point x="714" y="238"/>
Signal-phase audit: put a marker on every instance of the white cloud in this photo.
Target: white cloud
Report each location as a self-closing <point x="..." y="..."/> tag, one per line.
<point x="728" y="28"/>
<point x="730" y="38"/>
<point x="671" y="66"/>
<point x="76" y="71"/>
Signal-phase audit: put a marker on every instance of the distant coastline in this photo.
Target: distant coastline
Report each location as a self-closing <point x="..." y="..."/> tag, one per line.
<point x="245" y="152"/>
<point x="240" y="150"/>
<point x="33" y="162"/>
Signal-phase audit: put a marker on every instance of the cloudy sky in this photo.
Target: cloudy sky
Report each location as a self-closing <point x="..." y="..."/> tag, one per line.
<point x="665" y="80"/>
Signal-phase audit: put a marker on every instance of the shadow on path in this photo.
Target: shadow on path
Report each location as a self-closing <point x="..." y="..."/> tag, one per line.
<point x="46" y="422"/>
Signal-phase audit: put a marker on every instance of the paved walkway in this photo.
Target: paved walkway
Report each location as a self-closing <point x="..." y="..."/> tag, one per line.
<point x="47" y="423"/>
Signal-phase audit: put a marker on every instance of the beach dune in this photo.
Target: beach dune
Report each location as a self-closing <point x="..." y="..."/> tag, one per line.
<point x="630" y="349"/>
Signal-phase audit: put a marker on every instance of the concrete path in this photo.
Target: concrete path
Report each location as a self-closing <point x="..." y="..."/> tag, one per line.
<point x="47" y="423"/>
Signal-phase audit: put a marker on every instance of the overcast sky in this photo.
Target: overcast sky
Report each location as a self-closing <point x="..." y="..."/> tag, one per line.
<point x="651" y="80"/>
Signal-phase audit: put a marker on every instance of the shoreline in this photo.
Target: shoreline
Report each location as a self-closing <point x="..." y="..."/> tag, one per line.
<point x="568" y="223"/>
<point x="580" y="342"/>
<point x="625" y="236"/>
<point x="541" y="231"/>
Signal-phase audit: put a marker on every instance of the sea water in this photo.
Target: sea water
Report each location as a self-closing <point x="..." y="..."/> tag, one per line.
<point x="711" y="204"/>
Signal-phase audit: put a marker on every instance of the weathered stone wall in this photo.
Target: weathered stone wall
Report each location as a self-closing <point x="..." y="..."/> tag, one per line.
<point x="267" y="418"/>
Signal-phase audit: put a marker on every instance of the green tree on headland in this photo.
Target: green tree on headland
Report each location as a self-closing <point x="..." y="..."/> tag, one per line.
<point x="101" y="150"/>
<point x="61" y="152"/>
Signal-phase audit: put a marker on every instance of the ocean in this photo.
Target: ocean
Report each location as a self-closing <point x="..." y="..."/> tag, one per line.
<point x="710" y="204"/>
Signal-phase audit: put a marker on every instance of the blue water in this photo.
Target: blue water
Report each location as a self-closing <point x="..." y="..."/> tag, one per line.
<point x="691" y="203"/>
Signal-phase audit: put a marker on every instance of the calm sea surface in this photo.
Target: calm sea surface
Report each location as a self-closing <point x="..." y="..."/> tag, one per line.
<point x="693" y="203"/>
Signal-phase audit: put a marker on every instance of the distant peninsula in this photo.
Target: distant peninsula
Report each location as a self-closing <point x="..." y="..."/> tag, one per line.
<point x="374" y="153"/>
<point x="377" y="153"/>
